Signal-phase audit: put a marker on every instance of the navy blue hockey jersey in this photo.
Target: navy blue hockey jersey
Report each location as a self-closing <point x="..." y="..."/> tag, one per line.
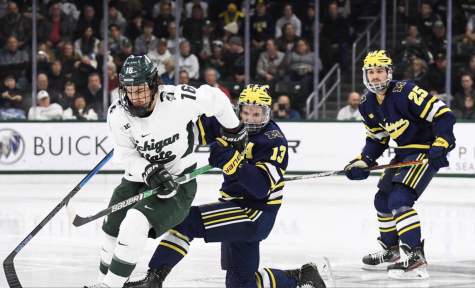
<point x="411" y="116"/>
<point x="260" y="183"/>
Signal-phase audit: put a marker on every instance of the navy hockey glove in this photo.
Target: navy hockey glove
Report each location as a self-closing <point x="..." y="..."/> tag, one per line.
<point x="354" y="169"/>
<point x="226" y="158"/>
<point x="237" y="137"/>
<point x="438" y="151"/>
<point x="156" y="175"/>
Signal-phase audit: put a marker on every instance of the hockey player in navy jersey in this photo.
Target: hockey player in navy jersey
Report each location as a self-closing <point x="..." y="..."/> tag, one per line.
<point x="422" y="127"/>
<point x="251" y="195"/>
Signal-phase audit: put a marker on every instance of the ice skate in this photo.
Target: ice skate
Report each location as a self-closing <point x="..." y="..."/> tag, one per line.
<point x="307" y="276"/>
<point x="98" y="285"/>
<point x="153" y="278"/>
<point x="382" y="259"/>
<point x="412" y="267"/>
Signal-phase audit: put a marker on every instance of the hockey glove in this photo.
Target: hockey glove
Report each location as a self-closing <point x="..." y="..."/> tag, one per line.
<point x="156" y="175"/>
<point x="237" y="137"/>
<point x="354" y="169"/>
<point x="226" y="158"/>
<point x="438" y="151"/>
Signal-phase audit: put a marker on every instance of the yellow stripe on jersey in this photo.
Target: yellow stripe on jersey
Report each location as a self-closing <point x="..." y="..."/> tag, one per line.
<point x="413" y="170"/>
<point x="387" y="230"/>
<point x="224" y="194"/>
<point x="273" y="285"/>
<point x="386" y="218"/>
<point x="442" y="111"/>
<point x="278" y="186"/>
<point x="179" y="235"/>
<point x="268" y="174"/>
<point x="222" y="213"/>
<point x="417" y="175"/>
<point x="248" y="211"/>
<point x="417" y="146"/>
<point x="225" y="219"/>
<point x="259" y="281"/>
<point x="408" y="228"/>
<point x="405" y="215"/>
<point x="282" y="171"/>
<point x="426" y="109"/>
<point x="253" y="215"/>
<point x="174" y="248"/>
<point x="202" y="130"/>
<point x="275" y="202"/>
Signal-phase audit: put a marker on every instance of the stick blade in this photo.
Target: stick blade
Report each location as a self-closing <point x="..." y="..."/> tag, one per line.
<point x="72" y="215"/>
<point x="10" y="273"/>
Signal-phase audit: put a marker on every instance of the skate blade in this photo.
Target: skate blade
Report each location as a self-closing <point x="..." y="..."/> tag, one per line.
<point x="324" y="265"/>
<point x="418" y="273"/>
<point x="379" y="267"/>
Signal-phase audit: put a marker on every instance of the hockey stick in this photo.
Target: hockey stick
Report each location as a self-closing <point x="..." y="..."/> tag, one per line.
<point x="77" y="220"/>
<point x="342" y="172"/>
<point x="8" y="265"/>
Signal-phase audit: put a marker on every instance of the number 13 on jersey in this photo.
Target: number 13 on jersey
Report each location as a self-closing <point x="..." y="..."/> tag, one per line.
<point x="280" y="157"/>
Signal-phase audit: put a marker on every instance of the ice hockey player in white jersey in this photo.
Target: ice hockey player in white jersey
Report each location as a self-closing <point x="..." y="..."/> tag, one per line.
<point x="152" y="131"/>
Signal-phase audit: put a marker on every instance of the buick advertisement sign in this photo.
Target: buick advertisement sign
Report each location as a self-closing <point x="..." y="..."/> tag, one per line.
<point x="12" y="146"/>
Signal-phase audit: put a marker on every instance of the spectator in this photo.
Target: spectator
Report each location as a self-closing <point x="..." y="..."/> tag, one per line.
<point x="425" y="20"/>
<point x="113" y="77"/>
<point x="97" y="59"/>
<point x="437" y="72"/>
<point x="459" y="24"/>
<point x="4" y="7"/>
<point x="147" y="42"/>
<point x="81" y="72"/>
<point x="337" y="29"/>
<point x="70" y="10"/>
<point x="13" y="60"/>
<point x="56" y="77"/>
<point x="438" y="40"/>
<point x="159" y="55"/>
<point x="88" y="19"/>
<point x="27" y="9"/>
<point x="158" y="5"/>
<point x="184" y="77"/>
<point x="231" y="15"/>
<point x="350" y="111"/>
<point x="470" y="69"/>
<point x="308" y="23"/>
<point x="45" y="110"/>
<point x="289" y="17"/>
<point x="262" y="26"/>
<point x="11" y="97"/>
<point x="468" y="7"/>
<point x="463" y="50"/>
<point x="230" y="30"/>
<point x="171" y="40"/>
<point x="193" y="27"/>
<point x="87" y="44"/>
<point x="57" y="28"/>
<point x="413" y="47"/>
<point x="299" y="65"/>
<point x="204" y="45"/>
<point x="168" y="76"/>
<point x="417" y="73"/>
<point x="135" y="28"/>
<point x="188" y="61"/>
<point x="67" y="100"/>
<point x="235" y="60"/>
<point x="44" y="53"/>
<point x="211" y="79"/>
<point x="68" y="57"/>
<point x="217" y="61"/>
<point x="126" y="50"/>
<point x="116" y="39"/>
<point x="115" y="18"/>
<point x="189" y="8"/>
<point x="465" y="91"/>
<point x="42" y="83"/>
<point x="14" y="24"/>
<point x="129" y="8"/>
<point x="79" y="111"/>
<point x="344" y="8"/>
<point x="467" y="111"/>
<point x="94" y="92"/>
<point x="282" y="110"/>
<point x="162" y="21"/>
<point x="269" y="66"/>
<point x="288" y="37"/>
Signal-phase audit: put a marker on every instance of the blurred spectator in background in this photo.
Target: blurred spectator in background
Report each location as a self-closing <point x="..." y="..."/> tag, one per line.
<point x="162" y="21"/>
<point x="417" y="73"/>
<point x="231" y="15"/>
<point x="337" y="29"/>
<point x="425" y="20"/>
<point x="299" y="65"/>
<point x="67" y="97"/>
<point x="87" y="44"/>
<point x="135" y="27"/>
<point x="289" y="17"/>
<point x="11" y="97"/>
<point x="27" y="9"/>
<point x="116" y="39"/>
<point x="235" y="60"/>
<point x="169" y="75"/>
<point x="14" y="24"/>
<point x="230" y="30"/>
<point x="217" y="61"/>
<point x="94" y="92"/>
<point x="68" y="57"/>
<point x="467" y="111"/>
<point x="193" y="27"/>
<point x="189" y="8"/>
<point x="81" y="72"/>
<point x="44" y="58"/>
<point x="159" y="55"/>
<point x="129" y="8"/>
<point x="350" y="111"/>
<point x="79" y="111"/>
<point x="212" y="80"/>
<point x="88" y="19"/>
<point x="158" y="5"/>
<point x="470" y="69"/>
<point x="42" y="83"/>
<point x="269" y="65"/>
<point x="288" y="37"/>
<point x="116" y="18"/>
<point x="56" y="77"/>
<point x="470" y="30"/>
<point x="184" y="77"/>
<point x="147" y="42"/>
<point x="468" y="7"/>
<point x="45" y="110"/>
<point x="126" y="50"/>
<point x="204" y="45"/>
<point x="171" y="39"/>
<point x="112" y="76"/>
<point x="57" y="28"/>
<point x="188" y="61"/>
<point x="466" y="90"/>
<point x="13" y="61"/>
<point x="262" y="26"/>
<point x="463" y="50"/>
<point x="438" y="40"/>
<point x="459" y="24"/>
<point x="4" y="7"/>
<point x="344" y="8"/>
<point x="437" y="72"/>
<point x="97" y="59"/>
<point x="413" y="47"/>
<point x="308" y="22"/>
<point x="282" y="110"/>
<point x="70" y="10"/>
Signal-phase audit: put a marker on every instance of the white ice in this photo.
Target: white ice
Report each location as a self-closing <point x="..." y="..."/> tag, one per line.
<point x="330" y="217"/>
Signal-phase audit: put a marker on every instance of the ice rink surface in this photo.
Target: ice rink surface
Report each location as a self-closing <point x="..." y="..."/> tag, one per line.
<point x="330" y="217"/>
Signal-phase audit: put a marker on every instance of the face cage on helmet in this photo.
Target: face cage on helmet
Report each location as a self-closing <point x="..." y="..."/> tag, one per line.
<point x="254" y="128"/>
<point x="129" y="106"/>
<point x="380" y="86"/>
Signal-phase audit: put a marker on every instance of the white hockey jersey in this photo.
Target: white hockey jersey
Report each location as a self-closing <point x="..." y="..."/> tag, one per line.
<point x="165" y="136"/>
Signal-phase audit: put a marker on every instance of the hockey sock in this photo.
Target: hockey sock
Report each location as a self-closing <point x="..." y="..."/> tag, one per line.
<point x="237" y="278"/>
<point x="107" y="251"/>
<point x="132" y="238"/>
<point x="408" y="226"/>
<point x="268" y="277"/>
<point x="387" y="226"/>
